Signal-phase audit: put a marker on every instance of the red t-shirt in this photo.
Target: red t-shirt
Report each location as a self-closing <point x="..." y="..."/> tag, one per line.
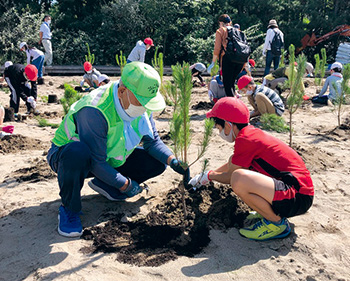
<point x="261" y="152"/>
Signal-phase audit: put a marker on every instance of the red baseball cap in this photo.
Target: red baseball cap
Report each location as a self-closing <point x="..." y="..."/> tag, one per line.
<point x="230" y="109"/>
<point x="252" y="62"/>
<point x="31" y="71"/>
<point x="87" y="66"/>
<point x="148" y="41"/>
<point x="244" y="81"/>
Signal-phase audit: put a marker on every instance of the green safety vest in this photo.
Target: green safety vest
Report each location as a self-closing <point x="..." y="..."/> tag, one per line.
<point x="101" y="99"/>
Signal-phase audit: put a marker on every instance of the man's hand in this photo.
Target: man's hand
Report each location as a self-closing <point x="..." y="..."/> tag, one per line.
<point x="264" y="53"/>
<point x="200" y="179"/>
<point x="31" y="101"/>
<point x="132" y="189"/>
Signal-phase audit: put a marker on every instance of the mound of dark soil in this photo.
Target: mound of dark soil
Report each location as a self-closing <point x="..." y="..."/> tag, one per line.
<point x="38" y="172"/>
<point x="202" y="105"/>
<point x="164" y="234"/>
<point x="17" y="143"/>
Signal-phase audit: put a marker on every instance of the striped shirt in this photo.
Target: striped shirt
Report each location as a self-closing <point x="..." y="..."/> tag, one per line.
<point x="273" y="97"/>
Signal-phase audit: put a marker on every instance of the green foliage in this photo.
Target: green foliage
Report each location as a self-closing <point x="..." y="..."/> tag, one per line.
<point x="70" y="97"/>
<point x="344" y="94"/>
<point x="121" y="61"/>
<point x="320" y="67"/>
<point x="89" y="57"/>
<point x="44" y="99"/>
<point x="158" y="64"/>
<point x="18" y="26"/>
<point x="214" y="71"/>
<point x="272" y="122"/>
<point x="44" y="123"/>
<point x="283" y="58"/>
<point x="171" y="94"/>
<point x="295" y="98"/>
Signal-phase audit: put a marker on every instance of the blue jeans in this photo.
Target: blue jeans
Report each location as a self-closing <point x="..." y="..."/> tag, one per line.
<point x="72" y="163"/>
<point x="39" y="62"/>
<point x="269" y="58"/>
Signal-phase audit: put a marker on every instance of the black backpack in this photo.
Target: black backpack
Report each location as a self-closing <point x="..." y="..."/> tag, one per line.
<point x="276" y="44"/>
<point x="237" y="48"/>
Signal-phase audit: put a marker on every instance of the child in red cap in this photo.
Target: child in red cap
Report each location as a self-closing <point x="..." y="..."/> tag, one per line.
<point x="268" y="175"/>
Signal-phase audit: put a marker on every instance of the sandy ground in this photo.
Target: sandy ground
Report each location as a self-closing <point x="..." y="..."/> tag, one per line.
<point x="31" y="249"/>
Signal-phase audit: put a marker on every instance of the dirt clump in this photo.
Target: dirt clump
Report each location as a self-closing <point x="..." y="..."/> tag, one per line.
<point x="163" y="234"/>
<point x="202" y="105"/>
<point x="38" y="172"/>
<point x="18" y="143"/>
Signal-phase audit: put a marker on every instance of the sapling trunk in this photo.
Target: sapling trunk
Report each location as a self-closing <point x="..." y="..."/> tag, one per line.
<point x="343" y="93"/>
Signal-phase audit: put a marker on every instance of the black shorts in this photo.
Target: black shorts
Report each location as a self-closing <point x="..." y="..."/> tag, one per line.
<point x="291" y="207"/>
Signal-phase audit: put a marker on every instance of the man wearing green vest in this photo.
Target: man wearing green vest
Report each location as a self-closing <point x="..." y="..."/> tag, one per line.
<point x="100" y="137"/>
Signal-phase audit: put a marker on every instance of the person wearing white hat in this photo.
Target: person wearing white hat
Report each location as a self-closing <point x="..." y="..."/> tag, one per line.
<point x="103" y="79"/>
<point x="334" y="83"/>
<point x="37" y="58"/>
<point x="274" y="41"/>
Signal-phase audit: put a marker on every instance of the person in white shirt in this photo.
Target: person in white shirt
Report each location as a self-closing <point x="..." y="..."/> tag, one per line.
<point x="139" y="51"/>
<point x="37" y="58"/>
<point x="45" y="39"/>
<point x="272" y="29"/>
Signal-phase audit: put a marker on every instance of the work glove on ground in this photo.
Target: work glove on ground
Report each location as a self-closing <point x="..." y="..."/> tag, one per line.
<point x="31" y="101"/>
<point x="8" y="129"/>
<point x="210" y="67"/>
<point x="200" y="179"/>
<point x="133" y="189"/>
<point x="178" y="167"/>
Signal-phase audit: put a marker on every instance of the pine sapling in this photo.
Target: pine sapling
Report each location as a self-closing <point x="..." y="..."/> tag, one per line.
<point x="295" y="98"/>
<point x="89" y="57"/>
<point x="121" y="61"/>
<point x="180" y="123"/>
<point x="323" y="64"/>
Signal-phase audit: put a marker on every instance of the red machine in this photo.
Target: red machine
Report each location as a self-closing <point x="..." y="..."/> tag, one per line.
<point x="307" y="40"/>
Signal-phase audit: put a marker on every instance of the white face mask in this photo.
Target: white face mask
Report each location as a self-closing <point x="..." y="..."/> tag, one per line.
<point x="133" y="110"/>
<point x="249" y="92"/>
<point x="230" y="136"/>
<point x="48" y="21"/>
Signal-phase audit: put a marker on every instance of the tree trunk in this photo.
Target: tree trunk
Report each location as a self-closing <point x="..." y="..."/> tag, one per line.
<point x="290" y="128"/>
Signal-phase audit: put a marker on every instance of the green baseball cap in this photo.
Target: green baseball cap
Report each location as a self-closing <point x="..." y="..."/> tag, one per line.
<point x="144" y="81"/>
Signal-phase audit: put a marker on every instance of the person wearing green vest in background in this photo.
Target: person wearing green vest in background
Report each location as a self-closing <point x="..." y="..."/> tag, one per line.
<point x="100" y="137"/>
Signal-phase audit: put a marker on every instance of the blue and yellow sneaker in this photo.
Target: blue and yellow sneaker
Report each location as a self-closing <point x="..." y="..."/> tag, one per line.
<point x="266" y="230"/>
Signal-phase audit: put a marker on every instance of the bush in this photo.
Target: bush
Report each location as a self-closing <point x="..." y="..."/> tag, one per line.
<point x="70" y="97"/>
<point x="272" y="122"/>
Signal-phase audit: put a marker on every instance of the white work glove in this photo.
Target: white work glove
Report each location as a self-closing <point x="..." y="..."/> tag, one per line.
<point x="26" y="84"/>
<point x="200" y="179"/>
<point x="211" y="95"/>
<point x="210" y="67"/>
<point x="32" y="101"/>
<point x="82" y="83"/>
<point x="264" y="53"/>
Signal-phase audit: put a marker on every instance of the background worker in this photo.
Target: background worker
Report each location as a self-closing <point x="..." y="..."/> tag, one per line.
<point x="263" y="99"/>
<point x="45" y="39"/>
<point x="91" y="75"/>
<point x="101" y="135"/>
<point x="268" y="175"/>
<point x="139" y="51"/>
<point x="197" y="69"/>
<point x="230" y="69"/>
<point x="21" y="81"/>
<point x="333" y="82"/>
<point x="216" y="89"/>
<point x="272" y="48"/>
<point x="37" y="58"/>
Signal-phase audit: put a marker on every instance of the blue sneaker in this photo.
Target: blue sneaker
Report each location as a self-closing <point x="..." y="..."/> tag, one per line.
<point x="69" y="224"/>
<point x="110" y="192"/>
